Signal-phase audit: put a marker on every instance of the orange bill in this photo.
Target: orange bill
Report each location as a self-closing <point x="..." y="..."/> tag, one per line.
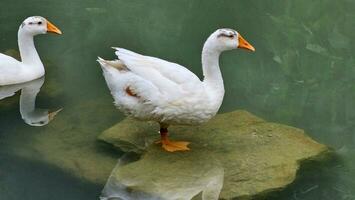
<point x="243" y="44"/>
<point x="52" y="28"/>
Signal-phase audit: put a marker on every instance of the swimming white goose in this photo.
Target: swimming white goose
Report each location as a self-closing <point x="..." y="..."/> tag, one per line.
<point x="151" y="89"/>
<point x="13" y="71"/>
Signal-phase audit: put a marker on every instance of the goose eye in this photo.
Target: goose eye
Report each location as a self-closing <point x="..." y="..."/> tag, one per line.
<point x="225" y="35"/>
<point x="39" y="23"/>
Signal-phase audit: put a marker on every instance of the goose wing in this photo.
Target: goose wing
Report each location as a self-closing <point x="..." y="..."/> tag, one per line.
<point x="166" y="75"/>
<point x="9" y="68"/>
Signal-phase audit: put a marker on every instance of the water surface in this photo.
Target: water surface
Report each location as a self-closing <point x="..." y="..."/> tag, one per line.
<point x="302" y="74"/>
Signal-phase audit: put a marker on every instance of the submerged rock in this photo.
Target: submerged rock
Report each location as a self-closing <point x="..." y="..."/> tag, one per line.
<point x="166" y="176"/>
<point x="69" y="142"/>
<point x="246" y="155"/>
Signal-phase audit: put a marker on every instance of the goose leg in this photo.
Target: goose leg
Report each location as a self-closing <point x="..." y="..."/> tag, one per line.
<point x="171" y="146"/>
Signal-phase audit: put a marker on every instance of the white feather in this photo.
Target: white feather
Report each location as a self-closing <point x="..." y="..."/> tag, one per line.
<point x="167" y="92"/>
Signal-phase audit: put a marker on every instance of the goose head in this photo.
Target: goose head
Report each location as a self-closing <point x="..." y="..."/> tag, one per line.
<point x="39" y="117"/>
<point x="227" y="39"/>
<point x="37" y="25"/>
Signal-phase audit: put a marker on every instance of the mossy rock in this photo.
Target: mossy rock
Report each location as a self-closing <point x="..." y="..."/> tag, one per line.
<point x="70" y="144"/>
<point x="246" y="155"/>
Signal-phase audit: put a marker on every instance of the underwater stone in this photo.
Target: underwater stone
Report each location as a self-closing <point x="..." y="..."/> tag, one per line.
<point x="71" y="146"/>
<point x="250" y="156"/>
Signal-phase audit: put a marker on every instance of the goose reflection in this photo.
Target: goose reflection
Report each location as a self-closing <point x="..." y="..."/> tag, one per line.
<point x="30" y="114"/>
<point x="161" y="176"/>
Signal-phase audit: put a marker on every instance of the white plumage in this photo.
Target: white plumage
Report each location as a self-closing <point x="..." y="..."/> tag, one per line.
<point x="30" y="68"/>
<point x="153" y="89"/>
<point x="172" y="98"/>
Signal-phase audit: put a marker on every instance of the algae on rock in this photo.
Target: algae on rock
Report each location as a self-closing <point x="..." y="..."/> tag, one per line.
<point x="169" y="176"/>
<point x="72" y="146"/>
<point x="251" y="157"/>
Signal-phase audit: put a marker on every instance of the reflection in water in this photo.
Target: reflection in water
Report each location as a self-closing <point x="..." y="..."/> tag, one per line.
<point x="30" y="114"/>
<point x="169" y="177"/>
<point x="303" y="75"/>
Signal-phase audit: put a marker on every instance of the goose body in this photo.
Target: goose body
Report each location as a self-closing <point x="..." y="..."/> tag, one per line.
<point x="152" y="89"/>
<point x="13" y="71"/>
<point x="30" y="67"/>
<point x="147" y="90"/>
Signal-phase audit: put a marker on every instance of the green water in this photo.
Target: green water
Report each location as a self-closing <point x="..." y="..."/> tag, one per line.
<point x="302" y="74"/>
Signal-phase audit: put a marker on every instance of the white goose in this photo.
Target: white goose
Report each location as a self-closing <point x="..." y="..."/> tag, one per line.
<point x="13" y="71"/>
<point x="152" y="89"/>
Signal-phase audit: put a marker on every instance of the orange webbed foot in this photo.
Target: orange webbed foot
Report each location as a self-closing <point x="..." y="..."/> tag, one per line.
<point x="171" y="146"/>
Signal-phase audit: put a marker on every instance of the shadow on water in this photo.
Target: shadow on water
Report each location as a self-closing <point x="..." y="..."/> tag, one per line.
<point x="27" y="179"/>
<point x="316" y="179"/>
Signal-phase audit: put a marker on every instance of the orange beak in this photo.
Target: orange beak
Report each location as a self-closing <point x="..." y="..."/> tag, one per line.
<point x="243" y="44"/>
<point x="52" y="28"/>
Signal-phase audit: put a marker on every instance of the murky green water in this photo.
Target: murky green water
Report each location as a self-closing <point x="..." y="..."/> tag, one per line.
<point x="302" y="74"/>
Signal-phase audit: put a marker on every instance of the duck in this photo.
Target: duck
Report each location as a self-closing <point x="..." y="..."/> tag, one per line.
<point x="30" y="114"/>
<point x="30" y="67"/>
<point x="152" y="89"/>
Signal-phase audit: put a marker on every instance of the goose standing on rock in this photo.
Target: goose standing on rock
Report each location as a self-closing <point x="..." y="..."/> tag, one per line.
<point x="152" y="89"/>
<point x="30" y="68"/>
